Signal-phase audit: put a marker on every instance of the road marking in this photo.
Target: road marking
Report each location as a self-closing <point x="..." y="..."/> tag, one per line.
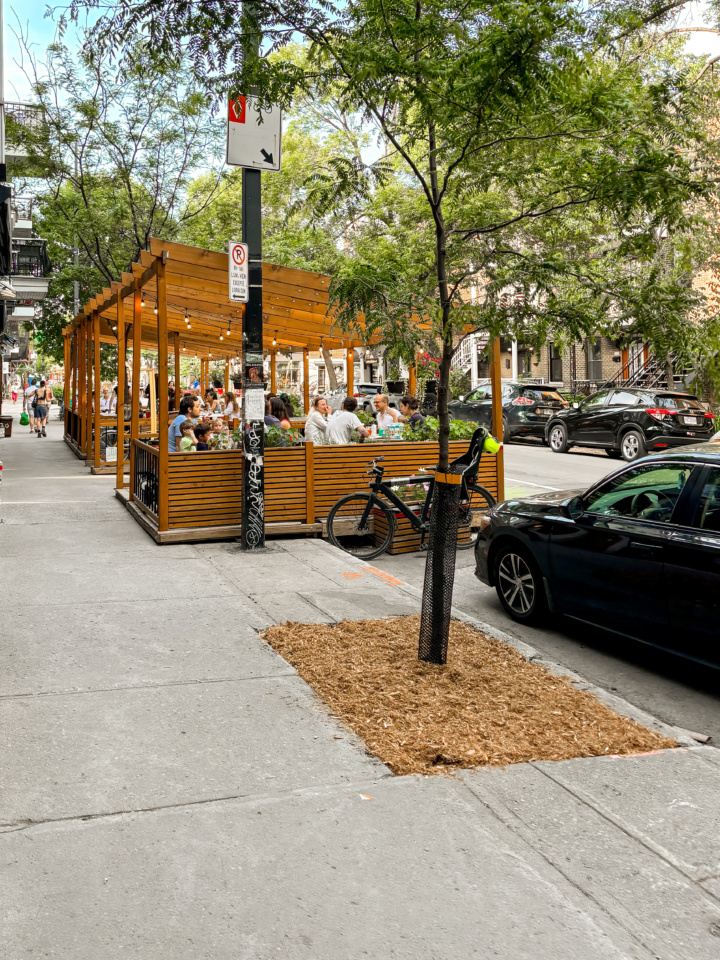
<point x="530" y="484"/>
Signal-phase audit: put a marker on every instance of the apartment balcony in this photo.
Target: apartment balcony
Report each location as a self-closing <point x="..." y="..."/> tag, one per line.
<point x="18" y="116"/>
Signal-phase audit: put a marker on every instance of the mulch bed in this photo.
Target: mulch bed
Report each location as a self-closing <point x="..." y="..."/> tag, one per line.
<point x="487" y="706"/>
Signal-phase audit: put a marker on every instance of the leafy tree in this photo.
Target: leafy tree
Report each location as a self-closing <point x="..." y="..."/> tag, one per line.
<point x="110" y="165"/>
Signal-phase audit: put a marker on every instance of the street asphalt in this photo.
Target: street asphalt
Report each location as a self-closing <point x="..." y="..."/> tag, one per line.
<point x="171" y="788"/>
<point x="670" y="687"/>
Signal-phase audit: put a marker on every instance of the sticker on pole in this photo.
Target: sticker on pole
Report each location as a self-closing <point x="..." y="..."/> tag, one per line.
<point x="253" y="135"/>
<point x="238" y="272"/>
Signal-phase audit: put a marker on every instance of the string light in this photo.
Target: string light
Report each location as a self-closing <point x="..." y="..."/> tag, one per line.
<point x="142" y="300"/>
<point x="221" y="336"/>
<point x="275" y="339"/>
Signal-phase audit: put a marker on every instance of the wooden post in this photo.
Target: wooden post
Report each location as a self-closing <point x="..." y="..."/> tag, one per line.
<point x="309" y="482"/>
<point x="412" y="378"/>
<point x="67" y="371"/>
<point x="350" y="369"/>
<point x="162" y="328"/>
<point x="497" y="421"/>
<point x="120" y="412"/>
<point x="273" y="370"/>
<point x="135" y="395"/>
<point x="82" y="343"/>
<point x="306" y="381"/>
<point x="227" y="375"/>
<point x="96" y="385"/>
<point x="88" y="390"/>
<point x="75" y="349"/>
<point x="176" y="339"/>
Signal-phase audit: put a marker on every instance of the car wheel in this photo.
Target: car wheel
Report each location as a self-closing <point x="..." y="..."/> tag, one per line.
<point x="557" y="436"/>
<point x="519" y="585"/>
<point x="612" y="453"/>
<point x="632" y="446"/>
<point x="506" y="429"/>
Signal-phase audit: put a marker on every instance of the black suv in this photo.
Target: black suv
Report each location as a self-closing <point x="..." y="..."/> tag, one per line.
<point x="526" y="408"/>
<point x="628" y="422"/>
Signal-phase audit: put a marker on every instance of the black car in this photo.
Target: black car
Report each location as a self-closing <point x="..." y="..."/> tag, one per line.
<point x="526" y="408"/>
<point x="629" y="422"/>
<point x="638" y="553"/>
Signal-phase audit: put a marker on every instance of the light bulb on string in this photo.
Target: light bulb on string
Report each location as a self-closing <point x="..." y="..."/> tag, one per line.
<point x="142" y="300"/>
<point x="275" y="339"/>
<point x="221" y="336"/>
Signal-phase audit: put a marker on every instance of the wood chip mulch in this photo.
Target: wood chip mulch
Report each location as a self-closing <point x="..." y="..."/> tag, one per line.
<point x="487" y="706"/>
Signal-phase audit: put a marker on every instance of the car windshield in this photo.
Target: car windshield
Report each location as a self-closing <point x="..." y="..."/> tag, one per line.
<point x="649" y="492"/>
<point x="677" y="402"/>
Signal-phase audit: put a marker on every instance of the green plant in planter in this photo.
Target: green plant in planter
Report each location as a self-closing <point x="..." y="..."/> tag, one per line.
<point x="58" y="392"/>
<point x="459" y="430"/>
<point x="278" y="437"/>
<point x="366" y="419"/>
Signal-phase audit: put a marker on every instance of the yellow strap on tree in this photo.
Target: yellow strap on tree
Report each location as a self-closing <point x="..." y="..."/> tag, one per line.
<point x="448" y="478"/>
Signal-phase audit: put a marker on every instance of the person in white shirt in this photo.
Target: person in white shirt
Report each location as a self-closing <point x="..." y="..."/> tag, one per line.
<point x="384" y="415"/>
<point x="343" y="425"/>
<point x="316" y="426"/>
<point x="30" y="390"/>
<point x="105" y="400"/>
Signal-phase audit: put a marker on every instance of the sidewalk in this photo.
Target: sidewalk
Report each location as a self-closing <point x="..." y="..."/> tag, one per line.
<point x="170" y="789"/>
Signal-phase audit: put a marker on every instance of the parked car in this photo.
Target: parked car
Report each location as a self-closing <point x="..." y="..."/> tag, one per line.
<point x="637" y="553"/>
<point x="628" y="422"/>
<point x="526" y="408"/>
<point x="363" y="393"/>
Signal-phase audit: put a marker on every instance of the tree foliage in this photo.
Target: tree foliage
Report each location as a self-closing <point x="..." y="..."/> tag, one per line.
<point x="110" y="164"/>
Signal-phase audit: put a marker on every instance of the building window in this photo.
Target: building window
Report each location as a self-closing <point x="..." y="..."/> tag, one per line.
<point x="593" y="354"/>
<point x="556" y="367"/>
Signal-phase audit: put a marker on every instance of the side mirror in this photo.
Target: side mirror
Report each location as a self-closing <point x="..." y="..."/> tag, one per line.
<point x="574" y="508"/>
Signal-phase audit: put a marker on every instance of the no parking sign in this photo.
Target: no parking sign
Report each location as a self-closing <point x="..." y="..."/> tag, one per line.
<point x="238" y="273"/>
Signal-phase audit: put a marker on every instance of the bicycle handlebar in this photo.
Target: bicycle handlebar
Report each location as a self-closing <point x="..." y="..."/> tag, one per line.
<point x="371" y="463"/>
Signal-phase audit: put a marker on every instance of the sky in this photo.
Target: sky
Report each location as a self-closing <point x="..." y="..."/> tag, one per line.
<point x="41" y="31"/>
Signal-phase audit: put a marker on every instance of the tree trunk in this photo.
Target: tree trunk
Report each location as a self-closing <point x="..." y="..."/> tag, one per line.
<point x="330" y="368"/>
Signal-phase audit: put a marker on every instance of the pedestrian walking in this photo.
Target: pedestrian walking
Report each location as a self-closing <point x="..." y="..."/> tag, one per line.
<point x="43" y="398"/>
<point x="30" y="392"/>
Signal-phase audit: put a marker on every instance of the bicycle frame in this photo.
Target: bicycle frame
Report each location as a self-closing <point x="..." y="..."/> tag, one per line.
<point x="379" y="485"/>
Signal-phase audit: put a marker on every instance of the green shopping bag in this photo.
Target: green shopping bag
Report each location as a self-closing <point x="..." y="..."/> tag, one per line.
<point x="24" y="419"/>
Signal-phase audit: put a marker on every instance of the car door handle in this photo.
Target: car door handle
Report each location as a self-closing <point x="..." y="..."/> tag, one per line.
<point x="646" y="548"/>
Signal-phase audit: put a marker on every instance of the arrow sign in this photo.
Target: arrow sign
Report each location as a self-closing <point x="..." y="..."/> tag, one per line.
<point x="253" y="134"/>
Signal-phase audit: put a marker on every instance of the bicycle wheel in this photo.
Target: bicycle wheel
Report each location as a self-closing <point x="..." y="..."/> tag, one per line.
<point x="480" y="501"/>
<point x="346" y="530"/>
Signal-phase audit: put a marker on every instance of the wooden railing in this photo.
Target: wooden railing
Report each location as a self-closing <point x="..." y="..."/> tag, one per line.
<point x="204" y="490"/>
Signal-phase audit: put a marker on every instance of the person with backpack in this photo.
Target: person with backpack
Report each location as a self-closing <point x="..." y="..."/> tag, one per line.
<point x="43" y="398"/>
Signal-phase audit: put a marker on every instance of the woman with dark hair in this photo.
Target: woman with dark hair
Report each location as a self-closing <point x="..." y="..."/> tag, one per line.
<point x="410" y="412"/>
<point x="275" y="414"/>
<point x="289" y="411"/>
<point x="212" y="404"/>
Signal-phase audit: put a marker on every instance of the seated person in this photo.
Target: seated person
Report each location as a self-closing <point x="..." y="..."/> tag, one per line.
<point x="189" y="407"/>
<point x="410" y="412"/>
<point x="342" y="426"/>
<point x="232" y="407"/>
<point x="188" y="442"/>
<point x="203" y="432"/>
<point x="316" y="425"/>
<point x="384" y="414"/>
<point x="277" y="410"/>
<point x="212" y="404"/>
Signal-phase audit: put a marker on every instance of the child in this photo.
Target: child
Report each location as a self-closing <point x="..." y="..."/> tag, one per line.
<point x="187" y="437"/>
<point x="202" y="432"/>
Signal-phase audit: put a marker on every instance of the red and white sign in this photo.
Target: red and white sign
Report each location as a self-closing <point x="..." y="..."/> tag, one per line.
<point x="253" y="135"/>
<point x="238" y="273"/>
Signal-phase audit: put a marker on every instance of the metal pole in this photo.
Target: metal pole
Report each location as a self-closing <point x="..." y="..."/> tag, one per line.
<point x="2" y="91"/>
<point x="253" y="502"/>
<point x="76" y="257"/>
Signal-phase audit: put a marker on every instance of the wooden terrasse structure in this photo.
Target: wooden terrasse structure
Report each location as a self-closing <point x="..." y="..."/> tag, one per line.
<point x="176" y="301"/>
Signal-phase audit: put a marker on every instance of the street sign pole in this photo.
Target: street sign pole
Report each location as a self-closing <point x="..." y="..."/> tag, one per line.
<point x="253" y="395"/>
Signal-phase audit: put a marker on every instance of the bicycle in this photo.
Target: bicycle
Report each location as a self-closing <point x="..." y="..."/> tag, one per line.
<point x="363" y="524"/>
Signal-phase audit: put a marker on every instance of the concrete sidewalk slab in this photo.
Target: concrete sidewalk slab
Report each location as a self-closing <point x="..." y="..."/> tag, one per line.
<point x="620" y="872"/>
<point x="77" y="755"/>
<point x="111" y="536"/>
<point x="420" y="872"/>
<point x="139" y="578"/>
<point x="69" y="648"/>
<point x="669" y="802"/>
